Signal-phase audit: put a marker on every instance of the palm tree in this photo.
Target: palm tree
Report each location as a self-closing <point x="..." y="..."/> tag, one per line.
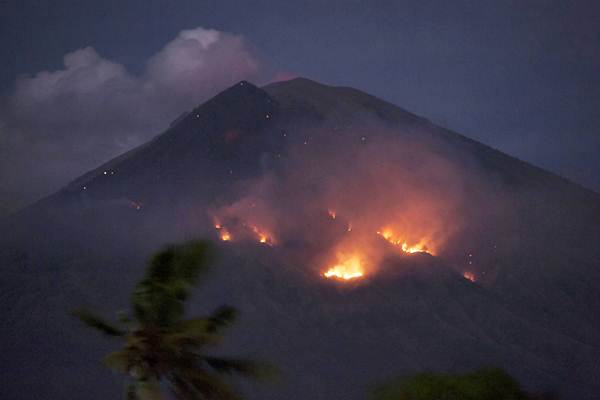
<point x="161" y="347"/>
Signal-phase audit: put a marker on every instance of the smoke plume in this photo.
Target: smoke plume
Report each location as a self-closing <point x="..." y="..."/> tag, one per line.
<point x="58" y="124"/>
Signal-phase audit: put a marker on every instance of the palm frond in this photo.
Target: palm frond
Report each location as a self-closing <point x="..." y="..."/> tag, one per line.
<point x="182" y="262"/>
<point x="195" y="332"/>
<point x="159" y="298"/>
<point x="181" y="389"/>
<point x="123" y="317"/>
<point x="248" y="368"/>
<point x="131" y="392"/>
<point x="148" y="389"/>
<point x="120" y="360"/>
<point x="98" y="323"/>
<point x="222" y="317"/>
<point x="193" y="258"/>
<point x="207" y="385"/>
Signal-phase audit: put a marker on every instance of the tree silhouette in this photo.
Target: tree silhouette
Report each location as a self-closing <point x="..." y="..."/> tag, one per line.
<point x="160" y="346"/>
<point x="482" y="384"/>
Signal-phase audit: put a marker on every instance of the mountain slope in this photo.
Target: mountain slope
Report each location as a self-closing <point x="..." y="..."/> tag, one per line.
<point x="277" y="158"/>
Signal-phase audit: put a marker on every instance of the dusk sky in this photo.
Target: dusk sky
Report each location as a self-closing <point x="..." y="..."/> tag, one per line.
<point x="83" y="81"/>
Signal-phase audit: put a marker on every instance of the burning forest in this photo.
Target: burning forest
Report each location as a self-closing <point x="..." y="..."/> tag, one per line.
<point x="352" y="207"/>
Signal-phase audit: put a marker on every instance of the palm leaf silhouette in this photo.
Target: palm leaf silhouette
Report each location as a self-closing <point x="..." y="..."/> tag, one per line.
<point x="160" y="346"/>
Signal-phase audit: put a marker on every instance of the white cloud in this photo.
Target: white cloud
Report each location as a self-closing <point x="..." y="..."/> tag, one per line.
<point x="58" y="124"/>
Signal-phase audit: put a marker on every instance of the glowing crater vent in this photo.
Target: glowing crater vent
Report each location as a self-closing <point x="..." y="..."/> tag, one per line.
<point x="391" y="237"/>
<point x="346" y="269"/>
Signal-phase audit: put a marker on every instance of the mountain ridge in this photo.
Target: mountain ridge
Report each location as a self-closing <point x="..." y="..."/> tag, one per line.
<point x="273" y="158"/>
<point x="278" y="90"/>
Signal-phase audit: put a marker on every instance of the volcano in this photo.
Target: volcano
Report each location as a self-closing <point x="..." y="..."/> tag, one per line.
<point x="359" y="241"/>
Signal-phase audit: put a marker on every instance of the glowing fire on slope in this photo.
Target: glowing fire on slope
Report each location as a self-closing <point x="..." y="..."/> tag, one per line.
<point x="469" y="276"/>
<point x="420" y="247"/>
<point x="244" y="231"/>
<point x="346" y="269"/>
<point x="261" y="236"/>
<point x="224" y="234"/>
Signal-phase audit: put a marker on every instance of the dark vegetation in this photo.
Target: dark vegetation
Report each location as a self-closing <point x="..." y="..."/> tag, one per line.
<point x="482" y="384"/>
<point x="161" y="345"/>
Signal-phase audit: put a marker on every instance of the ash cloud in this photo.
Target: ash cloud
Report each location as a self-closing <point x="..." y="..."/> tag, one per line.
<point x="58" y="124"/>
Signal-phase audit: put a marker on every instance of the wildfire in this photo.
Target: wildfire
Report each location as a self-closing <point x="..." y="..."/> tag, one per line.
<point x="469" y="276"/>
<point x="419" y="247"/>
<point x="414" y="249"/>
<point x="348" y="268"/>
<point x="243" y="231"/>
<point x="262" y="236"/>
<point x="225" y="236"/>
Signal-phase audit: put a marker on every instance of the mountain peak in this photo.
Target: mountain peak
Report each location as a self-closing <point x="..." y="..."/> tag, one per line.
<point x="233" y="106"/>
<point x="241" y="91"/>
<point x="338" y="103"/>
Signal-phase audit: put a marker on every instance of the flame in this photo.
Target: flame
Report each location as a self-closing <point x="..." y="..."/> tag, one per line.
<point x="259" y="234"/>
<point x="331" y="213"/>
<point x="262" y="236"/>
<point x="224" y="235"/>
<point x="420" y="247"/>
<point x="348" y="268"/>
<point x="469" y="276"/>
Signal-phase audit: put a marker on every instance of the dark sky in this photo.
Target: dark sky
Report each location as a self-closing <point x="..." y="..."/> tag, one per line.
<point x="522" y="76"/>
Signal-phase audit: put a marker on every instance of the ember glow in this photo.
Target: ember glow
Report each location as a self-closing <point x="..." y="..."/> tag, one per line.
<point x="469" y="276"/>
<point x="391" y="237"/>
<point x="242" y="231"/>
<point x="331" y="213"/>
<point x="261" y="236"/>
<point x="224" y="234"/>
<point x="346" y="269"/>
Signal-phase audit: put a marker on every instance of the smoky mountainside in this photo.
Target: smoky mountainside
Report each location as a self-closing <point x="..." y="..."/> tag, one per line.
<point x="279" y="157"/>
